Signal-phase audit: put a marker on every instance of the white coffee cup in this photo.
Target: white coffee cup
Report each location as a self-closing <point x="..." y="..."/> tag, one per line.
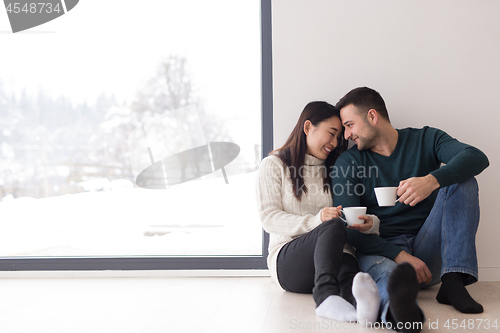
<point x="386" y="196"/>
<point x="351" y="215"/>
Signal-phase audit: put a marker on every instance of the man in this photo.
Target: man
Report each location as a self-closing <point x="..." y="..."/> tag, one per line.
<point x="429" y="235"/>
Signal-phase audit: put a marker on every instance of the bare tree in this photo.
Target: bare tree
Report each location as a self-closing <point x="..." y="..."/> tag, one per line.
<point x="160" y="110"/>
<point x="172" y="88"/>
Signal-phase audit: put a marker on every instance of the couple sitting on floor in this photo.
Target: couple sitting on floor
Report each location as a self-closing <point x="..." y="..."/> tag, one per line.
<point x="427" y="237"/>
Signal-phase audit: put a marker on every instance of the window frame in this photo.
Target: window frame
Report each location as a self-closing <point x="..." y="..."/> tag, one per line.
<point x="177" y="262"/>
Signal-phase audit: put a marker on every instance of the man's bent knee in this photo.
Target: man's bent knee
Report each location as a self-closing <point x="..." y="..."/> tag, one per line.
<point x="469" y="186"/>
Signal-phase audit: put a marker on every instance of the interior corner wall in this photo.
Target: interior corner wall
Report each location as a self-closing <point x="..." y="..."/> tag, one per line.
<point x="435" y="62"/>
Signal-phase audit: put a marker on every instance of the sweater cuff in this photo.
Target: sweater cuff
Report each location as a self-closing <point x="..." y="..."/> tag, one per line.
<point x="444" y="177"/>
<point x="393" y="251"/>
<point x="317" y="220"/>
<point x="376" y="226"/>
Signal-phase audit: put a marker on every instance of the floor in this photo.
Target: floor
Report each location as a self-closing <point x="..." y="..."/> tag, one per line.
<point x="194" y="304"/>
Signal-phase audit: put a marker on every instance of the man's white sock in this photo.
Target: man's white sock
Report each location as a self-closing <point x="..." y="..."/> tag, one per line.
<point x="336" y="308"/>
<point x="365" y="291"/>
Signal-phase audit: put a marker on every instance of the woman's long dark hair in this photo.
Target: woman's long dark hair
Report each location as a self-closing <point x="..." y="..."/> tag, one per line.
<point x="293" y="152"/>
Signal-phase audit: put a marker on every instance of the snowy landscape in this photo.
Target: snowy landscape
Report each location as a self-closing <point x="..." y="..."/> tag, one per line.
<point x="102" y="102"/>
<point x="204" y="217"/>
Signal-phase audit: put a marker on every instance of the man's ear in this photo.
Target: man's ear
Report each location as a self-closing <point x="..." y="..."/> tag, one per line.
<point x="372" y="116"/>
<point x="307" y="126"/>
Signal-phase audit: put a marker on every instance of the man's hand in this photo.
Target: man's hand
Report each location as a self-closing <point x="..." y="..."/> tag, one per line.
<point x="413" y="190"/>
<point x="424" y="275"/>
<point x="365" y="226"/>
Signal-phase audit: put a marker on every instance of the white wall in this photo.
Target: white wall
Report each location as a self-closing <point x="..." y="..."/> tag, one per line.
<point x="434" y="62"/>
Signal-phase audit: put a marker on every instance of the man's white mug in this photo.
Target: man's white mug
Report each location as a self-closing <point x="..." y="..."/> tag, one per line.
<point x="386" y="196"/>
<point x="351" y="215"/>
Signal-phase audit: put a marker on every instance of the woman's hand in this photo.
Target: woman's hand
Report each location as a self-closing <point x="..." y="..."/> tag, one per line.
<point x="365" y="226"/>
<point x="329" y="213"/>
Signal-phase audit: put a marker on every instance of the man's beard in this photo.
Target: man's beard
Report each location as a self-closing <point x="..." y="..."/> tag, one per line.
<point x="368" y="141"/>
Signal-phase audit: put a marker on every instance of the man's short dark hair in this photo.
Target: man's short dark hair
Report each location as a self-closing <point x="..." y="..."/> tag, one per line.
<point x="364" y="99"/>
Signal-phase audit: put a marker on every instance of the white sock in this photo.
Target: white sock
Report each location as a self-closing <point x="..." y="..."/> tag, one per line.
<point x="336" y="308"/>
<point x="365" y="291"/>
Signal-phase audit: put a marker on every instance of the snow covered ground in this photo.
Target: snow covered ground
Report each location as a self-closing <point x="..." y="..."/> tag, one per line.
<point x="201" y="217"/>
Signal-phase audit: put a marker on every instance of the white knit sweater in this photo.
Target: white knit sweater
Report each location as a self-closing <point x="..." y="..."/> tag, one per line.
<point x="282" y="215"/>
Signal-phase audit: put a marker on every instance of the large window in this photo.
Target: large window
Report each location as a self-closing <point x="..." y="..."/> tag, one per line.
<point x="130" y="135"/>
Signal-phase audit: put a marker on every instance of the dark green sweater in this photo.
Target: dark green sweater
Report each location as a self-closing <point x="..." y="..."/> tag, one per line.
<point x="418" y="153"/>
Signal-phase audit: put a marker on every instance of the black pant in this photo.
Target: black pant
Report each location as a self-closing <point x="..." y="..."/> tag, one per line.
<point x="315" y="263"/>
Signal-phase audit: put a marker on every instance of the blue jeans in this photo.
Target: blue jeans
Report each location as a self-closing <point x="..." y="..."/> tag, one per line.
<point x="446" y="242"/>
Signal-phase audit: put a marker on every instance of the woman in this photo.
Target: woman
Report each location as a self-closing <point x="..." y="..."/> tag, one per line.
<point x="307" y="250"/>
